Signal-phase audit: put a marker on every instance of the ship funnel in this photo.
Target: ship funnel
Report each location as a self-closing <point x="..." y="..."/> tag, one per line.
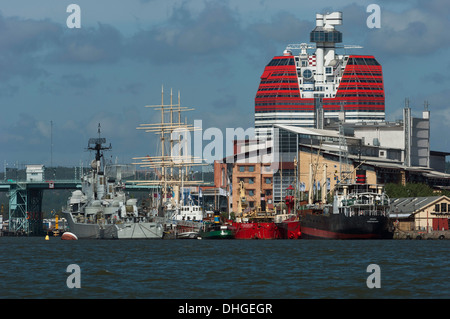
<point x="360" y="176"/>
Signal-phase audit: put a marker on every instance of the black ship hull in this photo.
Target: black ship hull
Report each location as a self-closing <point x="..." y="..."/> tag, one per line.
<point x="340" y="226"/>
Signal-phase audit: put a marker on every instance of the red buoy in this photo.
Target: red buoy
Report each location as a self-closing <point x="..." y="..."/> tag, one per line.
<point x="69" y="236"/>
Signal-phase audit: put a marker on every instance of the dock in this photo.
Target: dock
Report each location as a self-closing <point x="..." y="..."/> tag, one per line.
<point x="420" y="234"/>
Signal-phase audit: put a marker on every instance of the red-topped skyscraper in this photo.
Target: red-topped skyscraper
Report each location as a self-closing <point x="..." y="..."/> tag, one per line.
<point x="311" y="87"/>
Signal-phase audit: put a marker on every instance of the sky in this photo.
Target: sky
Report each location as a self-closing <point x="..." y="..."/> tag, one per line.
<point x="57" y="83"/>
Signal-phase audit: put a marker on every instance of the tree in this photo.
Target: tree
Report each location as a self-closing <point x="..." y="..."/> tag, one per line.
<point x="408" y="190"/>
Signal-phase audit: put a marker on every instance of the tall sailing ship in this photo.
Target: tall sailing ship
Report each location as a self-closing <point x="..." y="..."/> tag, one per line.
<point x="182" y="217"/>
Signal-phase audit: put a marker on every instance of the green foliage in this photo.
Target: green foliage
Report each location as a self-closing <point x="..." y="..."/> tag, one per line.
<point x="410" y="190"/>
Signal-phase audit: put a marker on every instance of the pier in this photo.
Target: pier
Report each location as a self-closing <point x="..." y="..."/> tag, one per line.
<point x="419" y="235"/>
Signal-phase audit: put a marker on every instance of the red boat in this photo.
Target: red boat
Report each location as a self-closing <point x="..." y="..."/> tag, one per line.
<point x="289" y="228"/>
<point x="289" y="224"/>
<point x="256" y="230"/>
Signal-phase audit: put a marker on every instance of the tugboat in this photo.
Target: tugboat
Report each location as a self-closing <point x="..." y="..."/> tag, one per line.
<point x="101" y="208"/>
<point x="359" y="211"/>
<point x="217" y="230"/>
<point x="254" y="224"/>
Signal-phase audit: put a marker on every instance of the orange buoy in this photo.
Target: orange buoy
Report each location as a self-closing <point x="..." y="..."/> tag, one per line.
<point x="69" y="236"/>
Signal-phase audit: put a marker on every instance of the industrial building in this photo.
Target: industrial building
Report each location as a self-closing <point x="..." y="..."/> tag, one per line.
<point x="314" y="159"/>
<point x="421" y="213"/>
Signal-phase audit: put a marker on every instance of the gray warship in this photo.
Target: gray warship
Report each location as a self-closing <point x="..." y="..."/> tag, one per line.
<point x="102" y="210"/>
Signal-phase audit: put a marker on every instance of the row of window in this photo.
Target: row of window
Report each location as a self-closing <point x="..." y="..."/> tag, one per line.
<point x="278" y="62"/>
<point x="360" y="88"/>
<point x="251" y="180"/>
<point x="364" y="109"/>
<point x="362" y="61"/>
<point x="325" y="36"/>
<point x="279" y="81"/>
<point x="309" y="104"/>
<point x="442" y="208"/>
<point x="353" y="103"/>
<point x="251" y="168"/>
<point x="284" y="103"/>
<point x="286" y="110"/>
<point x="285" y="73"/>
<point x="284" y="119"/>
<point x="360" y="94"/>
<point x="361" y="80"/>
<point x="277" y="95"/>
<point x="278" y="88"/>
<point x="361" y="72"/>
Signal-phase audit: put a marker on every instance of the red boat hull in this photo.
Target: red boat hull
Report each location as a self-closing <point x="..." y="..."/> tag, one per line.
<point x="257" y="230"/>
<point x="69" y="236"/>
<point x="290" y="229"/>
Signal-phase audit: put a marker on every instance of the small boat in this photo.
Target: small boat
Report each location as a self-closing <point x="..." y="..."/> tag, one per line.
<point x="217" y="232"/>
<point x="216" y="229"/>
<point x="188" y="235"/>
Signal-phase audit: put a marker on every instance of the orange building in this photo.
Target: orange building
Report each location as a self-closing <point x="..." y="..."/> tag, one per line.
<point x="258" y="183"/>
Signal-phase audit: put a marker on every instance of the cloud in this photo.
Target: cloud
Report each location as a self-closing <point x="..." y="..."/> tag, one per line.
<point x="22" y="43"/>
<point x="28" y="47"/>
<point x="78" y="80"/>
<point x="184" y="37"/>
<point x="88" y="45"/>
<point x="283" y="28"/>
<point x="26" y="133"/>
<point x="23" y="36"/>
<point x="416" y="31"/>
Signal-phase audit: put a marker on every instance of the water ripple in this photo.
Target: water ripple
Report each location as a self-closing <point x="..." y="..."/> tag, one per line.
<point x="34" y="268"/>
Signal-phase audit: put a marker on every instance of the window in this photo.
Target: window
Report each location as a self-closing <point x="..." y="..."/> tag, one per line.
<point x="251" y="192"/>
<point x="443" y="207"/>
<point x="436" y="208"/>
<point x="251" y="204"/>
<point x="268" y="180"/>
<point x="307" y="74"/>
<point x="241" y="168"/>
<point x="251" y="168"/>
<point x="251" y="180"/>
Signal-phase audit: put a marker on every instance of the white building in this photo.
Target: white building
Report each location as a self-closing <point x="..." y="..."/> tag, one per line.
<point x="35" y="173"/>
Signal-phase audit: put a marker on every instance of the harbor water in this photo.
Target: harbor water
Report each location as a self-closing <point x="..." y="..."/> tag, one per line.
<point x="32" y="267"/>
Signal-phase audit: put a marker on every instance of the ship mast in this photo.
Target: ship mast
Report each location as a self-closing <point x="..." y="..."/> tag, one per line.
<point x="96" y="144"/>
<point x="167" y="162"/>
